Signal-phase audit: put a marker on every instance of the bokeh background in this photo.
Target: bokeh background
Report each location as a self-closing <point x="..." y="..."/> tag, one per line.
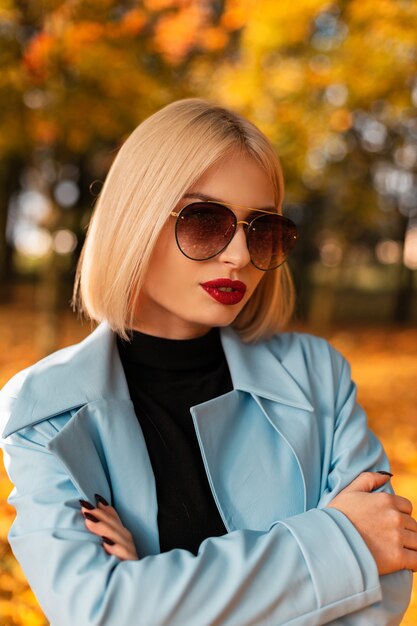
<point x="334" y="86"/>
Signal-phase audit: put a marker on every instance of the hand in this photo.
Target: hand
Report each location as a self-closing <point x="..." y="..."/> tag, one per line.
<point x="117" y="540"/>
<point x="383" y="520"/>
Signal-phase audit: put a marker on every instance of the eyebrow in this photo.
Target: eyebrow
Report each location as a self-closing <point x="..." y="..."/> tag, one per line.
<point x="207" y="198"/>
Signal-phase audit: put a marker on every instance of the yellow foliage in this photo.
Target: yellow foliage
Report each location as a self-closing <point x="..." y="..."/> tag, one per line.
<point x="280" y="72"/>
<point x="160" y="5"/>
<point x="287" y="77"/>
<point x="85" y="33"/>
<point x="176" y="33"/>
<point x="7" y="10"/>
<point x="236" y="13"/>
<point x="273" y="25"/>
<point x="132" y="22"/>
<point x="212" y="38"/>
<point x="45" y="131"/>
<point x="340" y="120"/>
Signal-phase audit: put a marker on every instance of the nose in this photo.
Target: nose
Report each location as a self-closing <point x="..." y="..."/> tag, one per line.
<point x="236" y="253"/>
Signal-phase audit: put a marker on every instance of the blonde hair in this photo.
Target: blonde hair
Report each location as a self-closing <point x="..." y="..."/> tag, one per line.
<point x="160" y="160"/>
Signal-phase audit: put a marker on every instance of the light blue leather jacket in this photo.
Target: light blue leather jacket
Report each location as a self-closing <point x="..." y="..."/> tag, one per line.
<point x="276" y="450"/>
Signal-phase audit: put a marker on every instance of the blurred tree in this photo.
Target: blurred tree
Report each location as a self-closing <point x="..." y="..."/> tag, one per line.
<point x="335" y="87"/>
<point x="12" y="140"/>
<point x="333" y="84"/>
<point x="76" y="78"/>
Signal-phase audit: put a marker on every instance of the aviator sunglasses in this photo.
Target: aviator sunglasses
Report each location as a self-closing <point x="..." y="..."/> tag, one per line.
<point x="204" y="229"/>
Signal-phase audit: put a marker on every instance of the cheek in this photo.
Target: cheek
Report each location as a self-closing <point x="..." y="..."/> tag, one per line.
<point x="170" y="275"/>
<point x="255" y="279"/>
<point x="164" y="258"/>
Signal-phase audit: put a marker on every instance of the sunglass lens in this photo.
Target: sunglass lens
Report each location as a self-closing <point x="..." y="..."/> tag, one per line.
<point x="270" y="240"/>
<point x="204" y="229"/>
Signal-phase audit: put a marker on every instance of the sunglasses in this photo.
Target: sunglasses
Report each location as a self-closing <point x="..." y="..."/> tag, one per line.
<point x="204" y="229"/>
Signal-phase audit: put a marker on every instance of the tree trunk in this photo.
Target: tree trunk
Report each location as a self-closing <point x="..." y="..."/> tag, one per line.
<point x="404" y="297"/>
<point x="9" y="183"/>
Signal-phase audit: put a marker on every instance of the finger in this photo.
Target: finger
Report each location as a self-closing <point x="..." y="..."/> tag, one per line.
<point x="122" y="553"/>
<point x="410" y="523"/>
<point x="107" y="508"/>
<point x="410" y="559"/>
<point x="107" y="511"/>
<point x="121" y="549"/>
<point x="118" y="535"/>
<point x="410" y="540"/>
<point x="111" y="511"/>
<point x="105" y="515"/>
<point x="99" y="498"/>
<point x="367" y="481"/>
<point x="403" y="504"/>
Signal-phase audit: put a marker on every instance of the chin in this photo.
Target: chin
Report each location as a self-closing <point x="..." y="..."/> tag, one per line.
<point x="223" y="320"/>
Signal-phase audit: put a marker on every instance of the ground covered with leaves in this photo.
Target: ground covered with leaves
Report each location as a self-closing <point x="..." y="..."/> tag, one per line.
<point x="384" y="366"/>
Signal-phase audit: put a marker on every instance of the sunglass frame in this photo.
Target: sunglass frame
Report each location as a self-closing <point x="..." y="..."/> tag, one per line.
<point x="283" y="219"/>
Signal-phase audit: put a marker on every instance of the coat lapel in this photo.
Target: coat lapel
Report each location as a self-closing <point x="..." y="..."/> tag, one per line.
<point x="248" y="463"/>
<point x="104" y="451"/>
<point x="276" y="374"/>
<point x="101" y="444"/>
<point x="258" y="439"/>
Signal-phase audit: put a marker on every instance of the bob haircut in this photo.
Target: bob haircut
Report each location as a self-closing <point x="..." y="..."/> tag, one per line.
<point x="159" y="161"/>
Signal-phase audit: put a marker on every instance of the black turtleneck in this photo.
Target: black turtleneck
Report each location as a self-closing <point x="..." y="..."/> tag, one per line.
<point x="165" y="378"/>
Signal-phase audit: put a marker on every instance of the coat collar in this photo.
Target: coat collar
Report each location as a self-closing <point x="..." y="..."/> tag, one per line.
<point x="91" y="370"/>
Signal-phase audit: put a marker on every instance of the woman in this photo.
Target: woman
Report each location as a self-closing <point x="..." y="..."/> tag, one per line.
<point x="189" y="464"/>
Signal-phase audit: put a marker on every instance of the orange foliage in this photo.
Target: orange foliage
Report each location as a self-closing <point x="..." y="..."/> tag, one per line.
<point x="176" y="33"/>
<point x="38" y="54"/>
<point x="160" y="5"/>
<point x="235" y="14"/>
<point x="340" y="120"/>
<point x="213" y="38"/>
<point x="132" y="23"/>
<point x="45" y="131"/>
<point x="76" y="37"/>
<point x="84" y="33"/>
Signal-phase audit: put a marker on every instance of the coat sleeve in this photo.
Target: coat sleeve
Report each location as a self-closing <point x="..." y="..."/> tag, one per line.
<point x="355" y="450"/>
<point x="307" y="570"/>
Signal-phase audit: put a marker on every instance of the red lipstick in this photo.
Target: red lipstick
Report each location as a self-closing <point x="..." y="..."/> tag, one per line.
<point x="224" y="290"/>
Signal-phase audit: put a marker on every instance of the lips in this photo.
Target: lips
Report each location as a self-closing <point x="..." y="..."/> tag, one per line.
<point x="224" y="290"/>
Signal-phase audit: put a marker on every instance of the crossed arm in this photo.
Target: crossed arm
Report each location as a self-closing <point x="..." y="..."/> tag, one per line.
<point x="313" y="568"/>
<point x="332" y="564"/>
<point x="383" y="520"/>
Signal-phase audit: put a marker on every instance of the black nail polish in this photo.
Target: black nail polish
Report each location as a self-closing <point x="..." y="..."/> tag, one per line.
<point x="384" y="473"/>
<point x="100" y="498"/>
<point x="86" y="504"/>
<point x="92" y="518"/>
<point x="107" y="540"/>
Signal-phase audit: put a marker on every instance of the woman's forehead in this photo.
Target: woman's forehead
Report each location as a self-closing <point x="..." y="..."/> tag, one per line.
<point x="209" y="198"/>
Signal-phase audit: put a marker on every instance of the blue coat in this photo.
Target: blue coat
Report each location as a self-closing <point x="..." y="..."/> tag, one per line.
<point x="277" y="449"/>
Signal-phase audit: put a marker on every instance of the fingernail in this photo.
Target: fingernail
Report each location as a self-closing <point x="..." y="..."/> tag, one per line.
<point x="86" y="504"/>
<point x="92" y="518"/>
<point x="107" y="540"/>
<point x="384" y="473"/>
<point x="100" y="498"/>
